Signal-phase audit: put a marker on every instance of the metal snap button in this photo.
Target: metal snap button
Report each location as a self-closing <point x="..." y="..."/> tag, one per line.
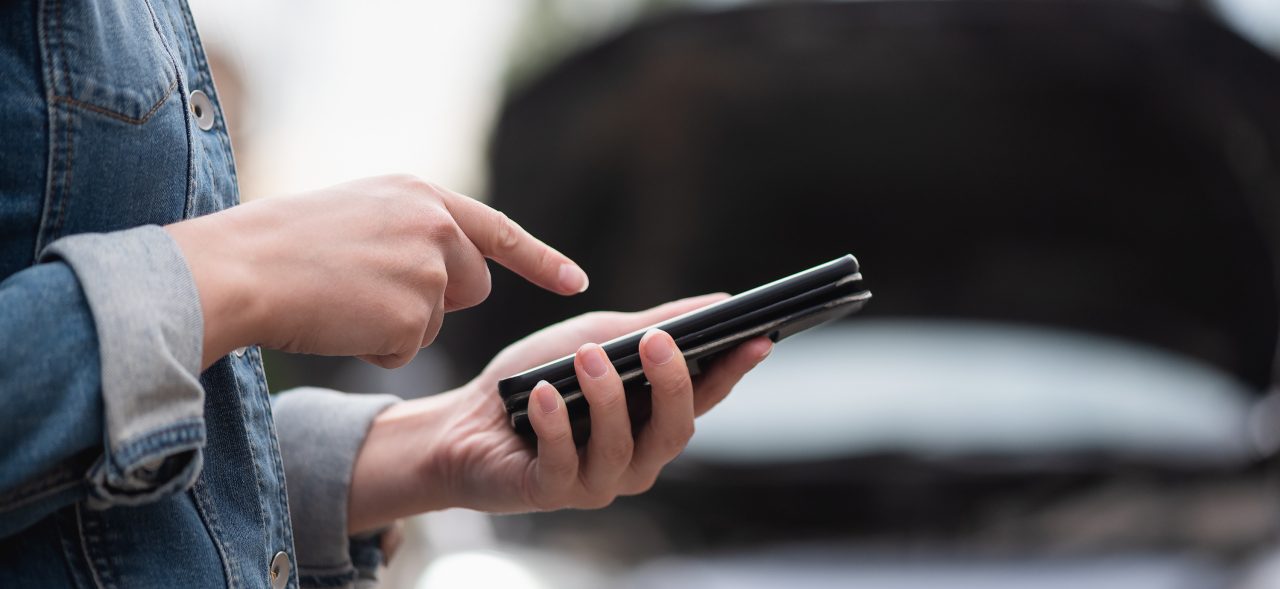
<point x="239" y="352"/>
<point x="280" y="567"/>
<point x="202" y="107"/>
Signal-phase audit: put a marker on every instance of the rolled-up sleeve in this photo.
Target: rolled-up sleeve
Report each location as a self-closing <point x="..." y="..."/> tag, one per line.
<point x="122" y="423"/>
<point x="150" y="333"/>
<point x="320" y="433"/>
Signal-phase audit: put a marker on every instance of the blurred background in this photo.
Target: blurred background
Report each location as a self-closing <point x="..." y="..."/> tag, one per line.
<point x="1069" y="212"/>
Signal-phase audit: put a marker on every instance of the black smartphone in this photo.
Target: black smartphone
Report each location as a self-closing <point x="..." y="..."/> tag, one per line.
<point x="776" y="310"/>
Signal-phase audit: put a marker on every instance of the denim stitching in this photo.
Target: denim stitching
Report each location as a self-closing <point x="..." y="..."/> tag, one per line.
<point x="283" y="497"/>
<point x="253" y="451"/>
<point x="186" y="110"/>
<point x="259" y="397"/>
<point x="202" y="66"/>
<point x="197" y="50"/>
<point x="93" y="526"/>
<point x="69" y="537"/>
<point x="65" y="95"/>
<point x="46" y="63"/>
<point x="56" y="229"/>
<point x="52" y="40"/>
<point x="178" y="436"/>
<point x="188" y="206"/>
<point x="115" y="115"/>
<point x="205" y="507"/>
<point x="35" y="490"/>
<point x="246" y="396"/>
<point x="113" y="479"/>
<point x="38" y="494"/>
<point x="224" y="139"/>
<point x="189" y="209"/>
<point x="69" y="142"/>
<point x="84" y="547"/>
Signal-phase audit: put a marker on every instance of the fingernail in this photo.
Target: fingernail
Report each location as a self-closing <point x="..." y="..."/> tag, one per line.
<point x="765" y="354"/>
<point x="594" y="360"/>
<point x="572" y="278"/>
<point x="658" y="347"/>
<point x="546" y="401"/>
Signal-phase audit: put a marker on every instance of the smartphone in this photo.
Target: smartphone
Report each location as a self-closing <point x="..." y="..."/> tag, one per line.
<point x="776" y="310"/>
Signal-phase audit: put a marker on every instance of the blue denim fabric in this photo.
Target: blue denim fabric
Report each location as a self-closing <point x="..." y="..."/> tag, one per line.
<point x="318" y="462"/>
<point x="103" y="484"/>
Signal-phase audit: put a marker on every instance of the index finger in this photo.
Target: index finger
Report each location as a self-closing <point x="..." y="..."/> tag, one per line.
<point x="505" y="242"/>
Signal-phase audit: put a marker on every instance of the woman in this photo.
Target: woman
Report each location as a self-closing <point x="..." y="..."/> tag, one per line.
<point x="140" y="446"/>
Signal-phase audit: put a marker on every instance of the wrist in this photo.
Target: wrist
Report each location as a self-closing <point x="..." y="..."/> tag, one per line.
<point x="400" y="469"/>
<point x="223" y="279"/>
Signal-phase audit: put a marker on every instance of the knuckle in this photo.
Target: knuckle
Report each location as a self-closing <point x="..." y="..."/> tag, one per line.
<point x="599" y="500"/>
<point x="390" y="344"/>
<point x="433" y="276"/>
<point x="672" y="446"/>
<point x="559" y="473"/>
<point x="475" y="293"/>
<point x="675" y="441"/>
<point x="645" y="483"/>
<point x="485" y="286"/>
<point x="429" y="336"/>
<point x="398" y="359"/>
<point x="688" y="430"/>
<point x="507" y="237"/>
<point x="544" y="501"/>
<point x="437" y="276"/>
<point x="547" y="260"/>
<point x="605" y="402"/>
<point x="677" y="383"/>
<point x="619" y="452"/>
<point x="379" y="361"/>
<point x="437" y="224"/>
<point x="557" y="437"/>
<point x="412" y="318"/>
<point x="411" y="182"/>
<point x="411" y="343"/>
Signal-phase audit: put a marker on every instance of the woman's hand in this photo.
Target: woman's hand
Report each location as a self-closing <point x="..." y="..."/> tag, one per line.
<point x="458" y="450"/>
<point x="367" y="268"/>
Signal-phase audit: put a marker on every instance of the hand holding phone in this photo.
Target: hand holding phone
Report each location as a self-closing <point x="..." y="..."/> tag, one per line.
<point x="776" y="310"/>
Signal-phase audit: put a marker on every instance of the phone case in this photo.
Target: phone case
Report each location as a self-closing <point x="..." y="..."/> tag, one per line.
<point x="776" y="310"/>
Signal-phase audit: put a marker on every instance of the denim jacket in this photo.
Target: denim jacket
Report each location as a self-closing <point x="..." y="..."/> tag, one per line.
<point x="121" y="463"/>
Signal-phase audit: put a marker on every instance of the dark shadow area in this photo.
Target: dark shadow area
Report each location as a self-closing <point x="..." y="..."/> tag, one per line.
<point x="1100" y="166"/>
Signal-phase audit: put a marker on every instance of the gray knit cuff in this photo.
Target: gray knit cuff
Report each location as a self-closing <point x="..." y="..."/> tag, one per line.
<point x="320" y="434"/>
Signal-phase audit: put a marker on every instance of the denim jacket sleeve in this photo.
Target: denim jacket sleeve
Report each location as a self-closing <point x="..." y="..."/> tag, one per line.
<point x="99" y="379"/>
<point x="320" y="434"/>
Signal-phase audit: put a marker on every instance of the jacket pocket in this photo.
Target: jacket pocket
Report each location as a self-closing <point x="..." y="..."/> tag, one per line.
<point x="107" y="57"/>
